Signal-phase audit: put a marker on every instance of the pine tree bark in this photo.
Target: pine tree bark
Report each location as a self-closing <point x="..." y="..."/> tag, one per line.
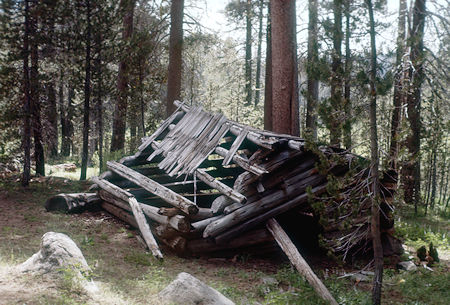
<point x="268" y="77"/>
<point x="87" y="94"/>
<point x="99" y="98"/>
<point x="336" y="117"/>
<point x="175" y="55"/>
<point x="398" y="85"/>
<point x="347" y="127"/>
<point x="312" y="66"/>
<point x="374" y="165"/>
<point x="120" y="109"/>
<point x="34" y="93"/>
<point x="259" y="55"/>
<point x="26" y="136"/>
<point x="248" y="53"/>
<point x="285" y="106"/>
<point x="416" y="77"/>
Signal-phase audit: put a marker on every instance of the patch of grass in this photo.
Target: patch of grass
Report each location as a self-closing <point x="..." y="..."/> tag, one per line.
<point x="139" y="258"/>
<point x="420" y="287"/>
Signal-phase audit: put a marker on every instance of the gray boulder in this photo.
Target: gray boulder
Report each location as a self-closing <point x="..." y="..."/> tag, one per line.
<point x="59" y="253"/>
<point x="188" y="290"/>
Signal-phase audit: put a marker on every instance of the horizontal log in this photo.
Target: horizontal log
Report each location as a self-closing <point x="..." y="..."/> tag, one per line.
<point x="247" y="239"/>
<point x="72" y="203"/>
<point x="119" y="213"/>
<point x="166" y="194"/>
<point x="203" y="213"/>
<point x="201" y="225"/>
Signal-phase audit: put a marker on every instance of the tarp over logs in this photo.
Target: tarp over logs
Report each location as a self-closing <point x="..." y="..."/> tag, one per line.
<point x="202" y="183"/>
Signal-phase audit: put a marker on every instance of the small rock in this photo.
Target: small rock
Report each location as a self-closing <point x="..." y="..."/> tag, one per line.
<point x="188" y="290"/>
<point x="408" y="266"/>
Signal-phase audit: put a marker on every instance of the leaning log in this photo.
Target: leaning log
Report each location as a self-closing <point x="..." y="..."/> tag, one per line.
<point x="298" y="261"/>
<point x="144" y="228"/>
<point x="72" y="203"/>
<point x="119" y="213"/>
<point x="166" y="194"/>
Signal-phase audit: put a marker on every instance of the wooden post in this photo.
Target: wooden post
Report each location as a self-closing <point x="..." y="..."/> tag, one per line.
<point x="297" y="260"/>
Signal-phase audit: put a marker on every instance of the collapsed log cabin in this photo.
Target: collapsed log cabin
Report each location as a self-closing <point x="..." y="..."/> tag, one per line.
<point x="203" y="184"/>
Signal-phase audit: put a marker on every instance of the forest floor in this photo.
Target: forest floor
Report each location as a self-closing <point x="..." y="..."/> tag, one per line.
<point x="127" y="274"/>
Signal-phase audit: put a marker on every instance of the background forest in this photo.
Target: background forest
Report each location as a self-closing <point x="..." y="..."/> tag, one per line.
<point x="96" y="77"/>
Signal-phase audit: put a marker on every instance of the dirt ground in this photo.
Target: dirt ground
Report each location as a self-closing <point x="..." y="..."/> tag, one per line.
<point x="127" y="274"/>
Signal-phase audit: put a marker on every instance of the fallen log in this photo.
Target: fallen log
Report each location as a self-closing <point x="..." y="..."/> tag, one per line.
<point x="72" y="203"/>
<point x="298" y="261"/>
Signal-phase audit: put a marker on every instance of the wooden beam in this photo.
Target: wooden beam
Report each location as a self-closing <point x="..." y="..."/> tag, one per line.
<point x="235" y="146"/>
<point x="152" y="186"/>
<point x="298" y="261"/>
<point x="216" y="184"/>
<point x="119" y="213"/>
<point x="242" y="162"/>
<point x="144" y="228"/>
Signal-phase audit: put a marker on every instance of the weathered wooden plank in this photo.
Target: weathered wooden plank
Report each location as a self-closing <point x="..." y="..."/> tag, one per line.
<point x="144" y="228"/>
<point x="298" y="261"/>
<point x="158" y="131"/>
<point x="216" y="184"/>
<point x="152" y="186"/>
<point x="235" y="146"/>
<point x="257" y="170"/>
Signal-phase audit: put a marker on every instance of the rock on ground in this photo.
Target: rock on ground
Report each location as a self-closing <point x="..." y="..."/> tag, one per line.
<point x="188" y="290"/>
<point x="407" y="265"/>
<point x="59" y="253"/>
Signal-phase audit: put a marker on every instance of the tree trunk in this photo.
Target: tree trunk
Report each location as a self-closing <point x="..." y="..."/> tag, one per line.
<point x="375" y="219"/>
<point x="285" y="106"/>
<point x="52" y="117"/>
<point x="412" y="178"/>
<point x="335" y="117"/>
<point x="99" y="99"/>
<point x="398" y="85"/>
<point x="268" y="78"/>
<point x="34" y="93"/>
<point x="248" y="53"/>
<point x="26" y="136"/>
<point x="258" y="58"/>
<point x="175" y="55"/>
<point x="120" y="109"/>
<point x="87" y="94"/>
<point x="312" y="66"/>
<point x="347" y="128"/>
